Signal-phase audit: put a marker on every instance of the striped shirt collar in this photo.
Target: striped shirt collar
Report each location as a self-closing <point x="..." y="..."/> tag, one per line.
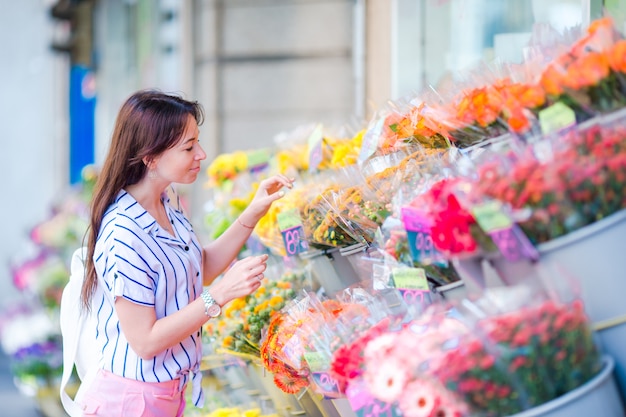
<point x="131" y="208"/>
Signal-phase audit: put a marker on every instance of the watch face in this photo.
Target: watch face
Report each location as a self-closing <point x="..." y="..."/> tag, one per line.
<point x="214" y="310"/>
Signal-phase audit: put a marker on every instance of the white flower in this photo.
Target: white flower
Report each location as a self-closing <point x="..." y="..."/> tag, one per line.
<point x="26" y="330"/>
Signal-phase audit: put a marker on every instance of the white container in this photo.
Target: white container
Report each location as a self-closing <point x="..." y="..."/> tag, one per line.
<point x="592" y="258"/>
<point x="597" y="397"/>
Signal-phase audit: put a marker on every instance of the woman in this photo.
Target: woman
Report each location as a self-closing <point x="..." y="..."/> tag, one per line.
<point x="144" y="255"/>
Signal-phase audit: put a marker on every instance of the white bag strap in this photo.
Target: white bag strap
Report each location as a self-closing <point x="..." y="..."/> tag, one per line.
<point x="70" y="327"/>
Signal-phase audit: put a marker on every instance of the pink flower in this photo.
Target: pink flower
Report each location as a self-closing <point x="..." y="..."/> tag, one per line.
<point x="380" y="347"/>
<point x="386" y="379"/>
<point x="419" y="399"/>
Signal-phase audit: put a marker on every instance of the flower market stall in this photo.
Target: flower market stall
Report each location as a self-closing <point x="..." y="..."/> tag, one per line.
<point x="462" y="253"/>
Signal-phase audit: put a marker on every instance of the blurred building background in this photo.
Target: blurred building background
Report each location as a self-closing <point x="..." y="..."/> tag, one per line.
<point x="259" y="67"/>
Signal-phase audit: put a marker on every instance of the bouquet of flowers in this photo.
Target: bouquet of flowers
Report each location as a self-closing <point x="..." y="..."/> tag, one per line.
<point x="283" y="347"/>
<point x="300" y="340"/>
<point x="512" y="356"/>
<point x="579" y="182"/>
<point x="268" y="230"/>
<point x="320" y="226"/>
<point x="409" y="126"/>
<point x="453" y="229"/>
<point x="240" y="329"/>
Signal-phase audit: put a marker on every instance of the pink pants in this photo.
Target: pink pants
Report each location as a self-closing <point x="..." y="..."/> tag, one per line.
<point x="113" y="395"/>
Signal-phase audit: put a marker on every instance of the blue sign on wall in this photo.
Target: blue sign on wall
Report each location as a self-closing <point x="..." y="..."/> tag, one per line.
<point x="82" y="115"/>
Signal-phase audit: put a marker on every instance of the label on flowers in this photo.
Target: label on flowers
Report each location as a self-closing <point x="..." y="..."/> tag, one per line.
<point x="290" y="226"/>
<point x="369" y="144"/>
<point x="490" y="216"/>
<point x="411" y="283"/>
<point x="556" y="117"/>
<point x="315" y="142"/>
<point x="514" y="244"/>
<point x="507" y="236"/>
<point x="419" y="237"/>
<point x="326" y="384"/>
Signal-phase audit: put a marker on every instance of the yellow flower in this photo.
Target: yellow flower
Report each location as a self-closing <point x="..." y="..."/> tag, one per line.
<point x="275" y="300"/>
<point x="254" y="412"/>
<point x="228" y="341"/>
<point x="226" y="167"/>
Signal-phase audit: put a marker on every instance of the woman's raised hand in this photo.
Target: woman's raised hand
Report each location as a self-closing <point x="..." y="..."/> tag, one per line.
<point x="270" y="190"/>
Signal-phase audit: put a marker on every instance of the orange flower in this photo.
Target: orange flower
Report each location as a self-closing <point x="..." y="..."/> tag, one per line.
<point x="552" y="80"/>
<point x="600" y="37"/>
<point x="617" y="57"/>
<point x="518" y="122"/>
<point x="528" y="96"/>
<point x="587" y="71"/>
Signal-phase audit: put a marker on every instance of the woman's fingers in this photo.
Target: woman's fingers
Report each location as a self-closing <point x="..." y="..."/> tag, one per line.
<point x="276" y="182"/>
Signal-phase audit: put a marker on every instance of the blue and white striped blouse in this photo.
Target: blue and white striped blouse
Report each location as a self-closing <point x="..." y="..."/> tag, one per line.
<point x="140" y="261"/>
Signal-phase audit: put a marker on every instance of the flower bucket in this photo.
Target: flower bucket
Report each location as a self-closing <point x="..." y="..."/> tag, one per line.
<point x="263" y="381"/>
<point x="453" y="291"/>
<point x="331" y="270"/>
<point x="315" y="405"/>
<point x="599" y="396"/>
<point x="594" y="257"/>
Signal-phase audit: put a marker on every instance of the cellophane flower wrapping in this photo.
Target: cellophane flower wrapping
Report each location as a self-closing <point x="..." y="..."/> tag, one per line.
<point x="420" y="170"/>
<point x="572" y="182"/>
<point x="267" y="229"/>
<point x="474" y="114"/>
<point x="523" y="348"/>
<point x="319" y="221"/>
<point x="454" y="230"/>
<point x="588" y="77"/>
<point x="395" y="365"/>
<point x="510" y="350"/>
<point x="344" y="213"/>
<point x="375" y="309"/>
<point x="403" y="124"/>
<point x="239" y="330"/>
<point x="323" y="335"/>
<point x="292" y="333"/>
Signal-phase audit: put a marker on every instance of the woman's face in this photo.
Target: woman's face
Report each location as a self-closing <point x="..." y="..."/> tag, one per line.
<point x="181" y="164"/>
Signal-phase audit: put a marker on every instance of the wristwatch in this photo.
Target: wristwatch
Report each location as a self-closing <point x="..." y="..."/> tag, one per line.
<point x="211" y="308"/>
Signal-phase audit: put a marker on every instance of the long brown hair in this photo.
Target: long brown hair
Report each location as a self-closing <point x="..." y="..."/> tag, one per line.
<point x="149" y="123"/>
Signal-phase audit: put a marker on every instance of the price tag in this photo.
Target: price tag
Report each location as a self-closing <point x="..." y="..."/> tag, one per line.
<point x="290" y="226"/>
<point x="327" y="385"/>
<point x="410" y="278"/>
<point x="315" y="143"/>
<point x="556" y="117"/>
<point x="369" y="144"/>
<point x="490" y="216"/>
<point x="508" y="237"/>
<point x="419" y="237"/>
<point x="317" y="361"/>
<point x="514" y="244"/>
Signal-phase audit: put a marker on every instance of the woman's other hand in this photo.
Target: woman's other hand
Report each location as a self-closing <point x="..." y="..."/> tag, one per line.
<point x="241" y="279"/>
